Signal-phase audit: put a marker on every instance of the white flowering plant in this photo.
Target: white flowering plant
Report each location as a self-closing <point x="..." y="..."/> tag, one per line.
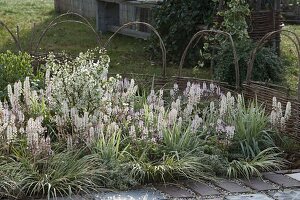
<point x="82" y="114"/>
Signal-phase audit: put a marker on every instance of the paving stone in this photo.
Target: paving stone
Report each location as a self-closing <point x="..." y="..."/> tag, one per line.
<point x="232" y="187"/>
<point x="282" y="180"/>
<point x="287" y="194"/>
<point x="139" y="194"/>
<point x="174" y="191"/>
<point x="259" y="184"/>
<point x="249" y="197"/>
<point x="288" y="171"/>
<point x="74" y="197"/>
<point x="295" y="176"/>
<point x="296" y="170"/>
<point x="201" y="188"/>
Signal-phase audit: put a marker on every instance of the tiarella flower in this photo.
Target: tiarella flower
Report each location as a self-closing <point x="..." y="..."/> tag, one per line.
<point x="132" y="132"/>
<point x="176" y="105"/>
<point x="34" y="129"/>
<point x="160" y="121"/>
<point x="112" y="128"/>
<point x="141" y="125"/>
<point x="10" y="135"/>
<point x="27" y="91"/>
<point x="204" y="86"/>
<point x="175" y="87"/>
<point x="150" y="117"/>
<point x="230" y="130"/>
<point x="277" y="118"/>
<point x="223" y="105"/>
<point x="172" y="93"/>
<point x="196" y="123"/>
<point x="188" y="110"/>
<point x="145" y="133"/>
<point x="273" y="118"/>
<point x="69" y="142"/>
<point x="279" y="110"/>
<point x="282" y="123"/>
<point x="288" y="110"/>
<point x="21" y="130"/>
<point x="212" y="87"/>
<point x="274" y="102"/>
<point x="179" y="122"/>
<point x="173" y="116"/>
<point x="220" y="128"/>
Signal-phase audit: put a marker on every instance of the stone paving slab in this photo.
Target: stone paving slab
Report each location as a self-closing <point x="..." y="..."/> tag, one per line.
<point x="74" y="197"/>
<point x="139" y="194"/>
<point x="258" y="184"/>
<point x="249" y="197"/>
<point x="201" y="188"/>
<point x="285" y="195"/>
<point x="296" y="171"/>
<point x="295" y="176"/>
<point x="174" y="191"/>
<point x="232" y="187"/>
<point x="282" y="180"/>
<point x="288" y="171"/>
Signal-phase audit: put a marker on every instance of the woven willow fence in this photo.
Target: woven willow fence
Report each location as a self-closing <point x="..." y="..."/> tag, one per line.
<point x="263" y="92"/>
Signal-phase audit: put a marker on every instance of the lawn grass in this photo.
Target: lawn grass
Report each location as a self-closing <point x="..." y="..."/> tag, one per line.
<point x="288" y="53"/>
<point x="128" y="55"/>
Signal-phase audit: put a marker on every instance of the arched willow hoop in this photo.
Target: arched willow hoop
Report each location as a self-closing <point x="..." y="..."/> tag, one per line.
<point x="53" y="23"/>
<point x="263" y="41"/>
<point x="162" y="45"/>
<point x="15" y="38"/>
<point x="264" y="92"/>
<point x="207" y="32"/>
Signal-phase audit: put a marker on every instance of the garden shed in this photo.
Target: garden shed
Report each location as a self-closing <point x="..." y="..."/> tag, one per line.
<point x="112" y="14"/>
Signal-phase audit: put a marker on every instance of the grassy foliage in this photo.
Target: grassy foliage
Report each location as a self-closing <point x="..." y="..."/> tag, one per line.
<point x="266" y="160"/>
<point x="61" y="174"/>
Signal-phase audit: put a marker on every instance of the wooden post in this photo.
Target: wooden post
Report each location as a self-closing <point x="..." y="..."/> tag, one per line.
<point x="101" y="17"/>
<point x="275" y="22"/>
<point x="258" y="5"/>
<point x="57" y="6"/>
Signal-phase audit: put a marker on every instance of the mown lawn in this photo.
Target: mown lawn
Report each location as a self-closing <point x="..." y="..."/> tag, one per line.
<point x="288" y="53"/>
<point x="128" y="55"/>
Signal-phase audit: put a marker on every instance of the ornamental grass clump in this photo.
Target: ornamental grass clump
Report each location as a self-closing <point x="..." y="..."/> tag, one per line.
<point x="86" y="130"/>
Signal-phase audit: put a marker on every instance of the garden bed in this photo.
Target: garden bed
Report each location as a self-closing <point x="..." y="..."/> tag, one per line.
<point x="80" y="130"/>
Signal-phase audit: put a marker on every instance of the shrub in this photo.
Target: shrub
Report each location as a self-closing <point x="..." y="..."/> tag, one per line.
<point x="13" y="67"/>
<point x="177" y="21"/>
<point x="235" y="18"/>
<point x="267" y="66"/>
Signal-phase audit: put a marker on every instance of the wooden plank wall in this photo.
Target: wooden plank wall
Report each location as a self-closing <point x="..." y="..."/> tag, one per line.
<point x="86" y="8"/>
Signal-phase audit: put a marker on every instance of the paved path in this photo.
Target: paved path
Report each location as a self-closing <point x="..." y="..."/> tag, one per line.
<point x="280" y="185"/>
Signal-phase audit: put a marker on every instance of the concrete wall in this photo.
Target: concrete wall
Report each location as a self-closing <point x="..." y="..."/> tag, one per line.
<point x="87" y="8"/>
